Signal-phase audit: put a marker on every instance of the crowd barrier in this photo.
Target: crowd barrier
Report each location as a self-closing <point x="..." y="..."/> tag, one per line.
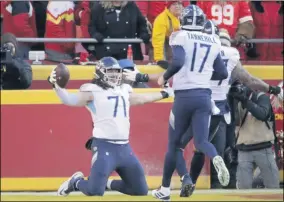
<point x="42" y="141"/>
<point x="118" y="40"/>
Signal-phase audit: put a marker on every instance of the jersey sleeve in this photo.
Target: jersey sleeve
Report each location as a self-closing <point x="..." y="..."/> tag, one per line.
<point x="128" y="88"/>
<point x="178" y="38"/>
<point x="244" y="12"/>
<point x="89" y="87"/>
<point x="235" y="55"/>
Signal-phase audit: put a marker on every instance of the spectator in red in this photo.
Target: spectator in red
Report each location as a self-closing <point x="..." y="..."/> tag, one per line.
<point x="82" y="19"/>
<point x="268" y="24"/>
<point x="60" y="24"/>
<point x="117" y="19"/>
<point x="234" y="16"/>
<point x="151" y="9"/>
<point x="19" y="19"/>
<point x="82" y="16"/>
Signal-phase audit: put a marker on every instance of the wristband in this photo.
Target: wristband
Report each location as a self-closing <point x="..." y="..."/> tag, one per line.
<point x="142" y="77"/>
<point x="275" y="90"/>
<point x="164" y="94"/>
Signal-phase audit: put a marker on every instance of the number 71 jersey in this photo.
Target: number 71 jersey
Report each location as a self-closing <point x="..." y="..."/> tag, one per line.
<point x="110" y="111"/>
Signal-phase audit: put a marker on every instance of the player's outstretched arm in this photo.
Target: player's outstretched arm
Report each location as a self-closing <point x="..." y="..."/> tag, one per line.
<point x="143" y="98"/>
<point x="139" y="77"/>
<point x="79" y="99"/>
<point x="241" y="74"/>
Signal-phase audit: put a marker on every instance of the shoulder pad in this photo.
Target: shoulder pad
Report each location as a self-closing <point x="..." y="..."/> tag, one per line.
<point x="178" y="38"/>
<point x="87" y="87"/>
<point x="127" y="88"/>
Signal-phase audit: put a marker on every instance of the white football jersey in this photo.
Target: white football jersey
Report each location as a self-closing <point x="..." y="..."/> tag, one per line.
<point x="201" y="51"/>
<point x="220" y="88"/>
<point x="110" y="112"/>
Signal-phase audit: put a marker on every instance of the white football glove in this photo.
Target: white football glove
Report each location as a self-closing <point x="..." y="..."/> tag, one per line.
<point x="130" y="75"/>
<point x="52" y="77"/>
<point x="214" y="109"/>
<point x="168" y="89"/>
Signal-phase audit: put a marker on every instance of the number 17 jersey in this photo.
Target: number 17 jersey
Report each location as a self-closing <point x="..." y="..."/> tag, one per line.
<point x="201" y="50"/>
<point x="110" y="112"/>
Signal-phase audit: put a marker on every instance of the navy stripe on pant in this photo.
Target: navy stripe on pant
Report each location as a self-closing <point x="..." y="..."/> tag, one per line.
<point x="109" y="157"/>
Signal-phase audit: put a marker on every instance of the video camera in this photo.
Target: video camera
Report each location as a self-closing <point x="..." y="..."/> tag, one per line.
<point x="238" y="89"/>
<point x="6" y="59"/>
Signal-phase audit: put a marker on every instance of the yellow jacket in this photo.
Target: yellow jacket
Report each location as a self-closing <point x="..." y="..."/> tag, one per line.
<point x="163" y="26"/>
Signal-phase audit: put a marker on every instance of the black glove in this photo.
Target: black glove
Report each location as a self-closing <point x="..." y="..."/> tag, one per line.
<point x="275" y="90"/>
<point x="240" y="39"/>
<point x="99" y="37"/>
<point x="165" y="94"/>
<point x="163" y="64"/>
<point x="88" y="144"/>
<point x="142" y="77"/>
<point x="251" y="50"/>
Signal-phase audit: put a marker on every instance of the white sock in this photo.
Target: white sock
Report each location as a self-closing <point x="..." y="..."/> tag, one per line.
<point x="109" y="181"/>
<point x="166" y="190"/>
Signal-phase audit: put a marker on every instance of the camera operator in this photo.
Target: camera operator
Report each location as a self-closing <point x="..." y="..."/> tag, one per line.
<point x="255" y="135"/>
<point x="16" y="73"/>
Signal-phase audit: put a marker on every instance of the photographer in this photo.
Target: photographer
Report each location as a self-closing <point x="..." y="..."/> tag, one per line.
<point x="255" y="136"/>
<point x="16" y="74"/>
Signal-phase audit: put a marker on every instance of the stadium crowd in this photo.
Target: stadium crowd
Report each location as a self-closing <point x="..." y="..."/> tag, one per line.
<point x="152" y="21"/>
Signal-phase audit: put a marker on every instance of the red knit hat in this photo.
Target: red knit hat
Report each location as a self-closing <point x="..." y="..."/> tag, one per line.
<point x="171" y="2"/>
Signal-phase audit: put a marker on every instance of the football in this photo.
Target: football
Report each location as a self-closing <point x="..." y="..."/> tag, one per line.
<point x="62" y="75"/>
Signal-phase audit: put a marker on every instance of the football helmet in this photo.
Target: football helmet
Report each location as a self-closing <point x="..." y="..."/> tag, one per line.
<point x="192" y="18"/>
<point x="109" y="71"/>
<point x="210" y="27"/>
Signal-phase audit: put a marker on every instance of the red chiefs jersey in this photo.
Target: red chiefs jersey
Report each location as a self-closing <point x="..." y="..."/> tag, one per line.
<point x="227" y="15"/>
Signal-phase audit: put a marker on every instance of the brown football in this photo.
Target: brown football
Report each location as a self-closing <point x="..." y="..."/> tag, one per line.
<point x="62" y="75"/>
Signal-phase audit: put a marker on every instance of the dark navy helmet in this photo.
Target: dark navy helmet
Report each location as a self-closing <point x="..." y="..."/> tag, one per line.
<point x="109" y="70"/>
<point x="211" y="28"/>
<point x="192" y="18"/>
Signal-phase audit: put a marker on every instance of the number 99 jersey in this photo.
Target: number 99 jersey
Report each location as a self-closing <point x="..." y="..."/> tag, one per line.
<point x="109" y="111"/>
<point x="227" y="15"/>
<point x="220" y="88"/>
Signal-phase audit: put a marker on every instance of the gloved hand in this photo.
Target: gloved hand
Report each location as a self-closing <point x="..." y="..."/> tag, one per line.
<point x="214" y="109"/>
<point x="135" y="75"/>
<point x="275" y="90"/>
<point x="167" y="91"/>
<point x="52" y="78"/>
<point x="99" y="37"/>
<point x="240" y="39"/>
